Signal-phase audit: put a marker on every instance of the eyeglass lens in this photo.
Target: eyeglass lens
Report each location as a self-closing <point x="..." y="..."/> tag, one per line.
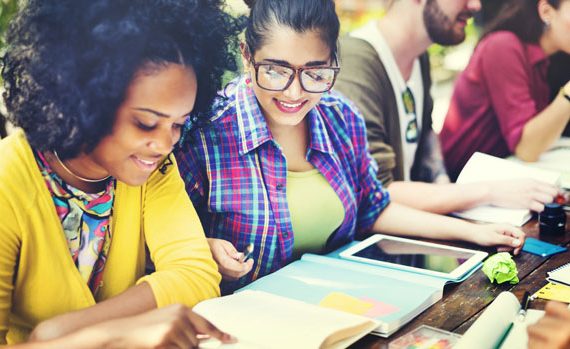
<point x="277" y="78"/>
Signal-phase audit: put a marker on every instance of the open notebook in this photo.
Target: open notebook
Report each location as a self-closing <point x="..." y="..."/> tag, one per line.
<point x="560" y="275"/>
<point x="484" y="167"/>
<point x="493" y="328"/>
<point x="555" y="159"/>
<point x="263" y="320"/>
<point x="390" y="296"/>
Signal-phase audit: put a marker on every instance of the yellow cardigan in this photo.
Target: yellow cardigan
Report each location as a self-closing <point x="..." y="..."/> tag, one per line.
<point x="38" y="278"/>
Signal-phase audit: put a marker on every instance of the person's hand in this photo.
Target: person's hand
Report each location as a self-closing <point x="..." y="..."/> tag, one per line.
<point x="553" y="330"/>
<point x="229" y="260"/>
<point x="175" y="326"/>
<point x="504" y="236"/>
<point x="521" y="193"/>
<point x="55" y="327"/>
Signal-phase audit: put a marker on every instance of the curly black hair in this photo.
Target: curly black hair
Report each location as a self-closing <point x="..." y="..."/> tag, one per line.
<point x="69" y="62"/>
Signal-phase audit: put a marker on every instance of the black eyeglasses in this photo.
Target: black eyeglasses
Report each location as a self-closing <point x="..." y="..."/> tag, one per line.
<point x="410" y="108"/>
<point x="278" y="77"/>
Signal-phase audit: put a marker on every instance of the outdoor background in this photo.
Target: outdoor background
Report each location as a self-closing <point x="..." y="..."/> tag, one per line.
<point x="446" y="62"/>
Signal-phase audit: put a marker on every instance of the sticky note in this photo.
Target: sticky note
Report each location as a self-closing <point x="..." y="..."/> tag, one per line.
<point x="379" y="308"/>
<point x="554" y="292"/>
<point x="346" y="303"/>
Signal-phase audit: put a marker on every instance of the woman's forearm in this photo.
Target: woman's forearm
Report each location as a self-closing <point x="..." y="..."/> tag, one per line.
<point x="402" y="220"/>
<point x="135" y="300"/>
<point x="543" y="130"/>
<point x="439" y="198"/>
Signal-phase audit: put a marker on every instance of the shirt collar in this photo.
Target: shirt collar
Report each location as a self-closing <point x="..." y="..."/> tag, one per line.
<point x="535" y="54"/>
<point x="320" y="139"/>
<point x="253" y="127"/>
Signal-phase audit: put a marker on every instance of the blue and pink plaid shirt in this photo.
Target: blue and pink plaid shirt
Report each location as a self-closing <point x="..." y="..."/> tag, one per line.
<point x="235" y="174"/>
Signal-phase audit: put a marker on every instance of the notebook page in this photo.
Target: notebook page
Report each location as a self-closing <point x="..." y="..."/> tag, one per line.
<point x="518" y="337"/>
<point x="484" y="167"/>
<point x="262" y="320"/>
<point x="561" y="274"/>
<point x="489" y="328"/>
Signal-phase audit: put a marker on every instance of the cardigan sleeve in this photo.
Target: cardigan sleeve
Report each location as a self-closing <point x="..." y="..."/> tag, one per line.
<point x="358" y="82"/>
<point x="185" y="270"/>
<point x="9" y="251"/>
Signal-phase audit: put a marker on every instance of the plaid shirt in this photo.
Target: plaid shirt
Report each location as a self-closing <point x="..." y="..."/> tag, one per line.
<point x="235" y="174"/>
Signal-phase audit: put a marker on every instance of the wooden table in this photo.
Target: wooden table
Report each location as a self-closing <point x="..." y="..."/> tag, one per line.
<point x="463" y="303"/>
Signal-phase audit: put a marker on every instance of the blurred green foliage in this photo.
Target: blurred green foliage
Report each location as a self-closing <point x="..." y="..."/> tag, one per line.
<point x="7" y="10"/>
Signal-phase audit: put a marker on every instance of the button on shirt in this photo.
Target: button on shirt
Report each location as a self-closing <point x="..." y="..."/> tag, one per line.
<point x="236" y="176"/>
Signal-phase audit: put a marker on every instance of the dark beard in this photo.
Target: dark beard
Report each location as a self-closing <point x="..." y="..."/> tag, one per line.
<point x="440" y="27"/>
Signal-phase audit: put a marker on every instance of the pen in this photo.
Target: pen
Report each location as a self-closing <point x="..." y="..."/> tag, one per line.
<point x="247" y="252"/>
<point x="524" y="306"/>
<point x="505" y="335"/>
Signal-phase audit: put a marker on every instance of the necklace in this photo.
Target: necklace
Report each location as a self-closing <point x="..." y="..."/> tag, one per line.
<point x="76" y="176"/>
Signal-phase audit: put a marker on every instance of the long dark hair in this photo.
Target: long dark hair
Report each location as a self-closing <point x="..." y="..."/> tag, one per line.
<point x="520" y="17"/>
<point x="299" y="15"/>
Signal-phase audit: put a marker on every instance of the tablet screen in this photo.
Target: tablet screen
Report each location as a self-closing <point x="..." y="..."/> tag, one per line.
<point x="418" y="256"/>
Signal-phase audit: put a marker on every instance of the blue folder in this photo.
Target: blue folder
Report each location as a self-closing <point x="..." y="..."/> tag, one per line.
<point x="542" y="248"/>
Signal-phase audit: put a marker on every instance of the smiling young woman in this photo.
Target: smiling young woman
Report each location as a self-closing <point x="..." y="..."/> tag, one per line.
<point x="283" y="163"/>
<point x="89" y="193"/>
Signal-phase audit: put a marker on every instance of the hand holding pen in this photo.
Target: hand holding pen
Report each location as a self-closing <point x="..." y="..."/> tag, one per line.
<point x="247" y="252"/>
<point x="232" y="264"/>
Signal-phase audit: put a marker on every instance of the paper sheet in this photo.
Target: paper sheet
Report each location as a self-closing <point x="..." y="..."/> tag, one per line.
<point x="262" y="320"/>
<point x="489" y="329"/>
<point x="555" y="159"/>
<point x="484" y="167"/>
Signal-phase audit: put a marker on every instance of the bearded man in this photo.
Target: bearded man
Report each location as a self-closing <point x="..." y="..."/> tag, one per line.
<point x="385" y="72"/>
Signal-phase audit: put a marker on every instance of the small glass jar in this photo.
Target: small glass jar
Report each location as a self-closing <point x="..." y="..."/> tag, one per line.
<point x="552" y="221"/>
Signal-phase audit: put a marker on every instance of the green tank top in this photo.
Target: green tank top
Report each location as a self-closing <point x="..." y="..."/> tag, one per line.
<point x="316" y="210"/>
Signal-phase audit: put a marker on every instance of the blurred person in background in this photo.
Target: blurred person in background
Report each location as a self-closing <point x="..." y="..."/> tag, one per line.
<point x="501" y="103"/>
<point x="386" y="73"/>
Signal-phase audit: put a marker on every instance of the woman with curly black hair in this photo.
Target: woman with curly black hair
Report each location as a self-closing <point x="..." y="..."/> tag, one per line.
<point x="101" y="90"/>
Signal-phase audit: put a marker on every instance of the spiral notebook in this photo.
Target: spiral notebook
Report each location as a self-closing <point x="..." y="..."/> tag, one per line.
<point x="560" y="275"/>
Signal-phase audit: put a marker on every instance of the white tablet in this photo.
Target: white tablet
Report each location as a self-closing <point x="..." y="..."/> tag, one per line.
<point x="417" y="256"/>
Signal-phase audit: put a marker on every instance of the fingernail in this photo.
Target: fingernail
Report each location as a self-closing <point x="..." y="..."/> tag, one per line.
<point x="516" y="242"/>
<point x="229" y="338"/>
